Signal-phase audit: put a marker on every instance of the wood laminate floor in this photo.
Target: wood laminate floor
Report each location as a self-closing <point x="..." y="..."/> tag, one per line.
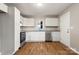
<point x="45" y="48"/>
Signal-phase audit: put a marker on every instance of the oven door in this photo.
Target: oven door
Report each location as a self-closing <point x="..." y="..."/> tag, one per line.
<point x="22" y="36"/>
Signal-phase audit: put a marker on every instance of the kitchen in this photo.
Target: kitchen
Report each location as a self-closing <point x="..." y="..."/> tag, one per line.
<point x="28" y="26"/>
<point x="31" y="27"/>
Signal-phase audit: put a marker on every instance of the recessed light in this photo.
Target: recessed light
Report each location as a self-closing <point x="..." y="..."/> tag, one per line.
<point x="39" y="4"/>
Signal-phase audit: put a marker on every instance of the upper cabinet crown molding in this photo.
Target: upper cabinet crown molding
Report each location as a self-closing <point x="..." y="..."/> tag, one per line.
<point x="3" y="8"/>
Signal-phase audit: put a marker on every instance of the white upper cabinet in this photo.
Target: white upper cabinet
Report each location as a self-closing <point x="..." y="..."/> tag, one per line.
<point x="3" y="8"/>
<point x="28" y="22"/>
<point x="51" y="22"/>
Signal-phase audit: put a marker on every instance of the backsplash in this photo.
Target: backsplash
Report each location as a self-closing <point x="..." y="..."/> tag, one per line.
<point x="34" y="28"/>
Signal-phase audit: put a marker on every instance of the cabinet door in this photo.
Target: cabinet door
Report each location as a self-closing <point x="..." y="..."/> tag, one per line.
<point x="51" y="22"/>
<point x="28" y="36"/>
<point x="65" y="28"/>
<point x="56" y="36"/>
<point x="34" y="36"/>
<point x="28" y="22"/>
<point x="37" y="36"/>
<point x="17" y="29"/>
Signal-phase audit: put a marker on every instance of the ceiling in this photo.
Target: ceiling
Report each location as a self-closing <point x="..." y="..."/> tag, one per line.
<point x="47" y="9"/>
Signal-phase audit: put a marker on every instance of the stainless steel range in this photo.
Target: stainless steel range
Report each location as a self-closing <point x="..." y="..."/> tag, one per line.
<point x="22" y="38"/>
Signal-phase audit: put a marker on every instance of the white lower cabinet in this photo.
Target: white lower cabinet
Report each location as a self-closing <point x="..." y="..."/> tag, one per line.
<point x="35" y="36"/>
<point x="40" y="36"/>
<point x="55" y="36"/>
<point x="28" y="36"/>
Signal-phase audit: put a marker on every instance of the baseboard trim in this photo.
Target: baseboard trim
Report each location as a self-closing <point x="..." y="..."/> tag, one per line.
<point x="13" y="53"/>
<point x="74" y="50"/>
<point x="70" y="48"/>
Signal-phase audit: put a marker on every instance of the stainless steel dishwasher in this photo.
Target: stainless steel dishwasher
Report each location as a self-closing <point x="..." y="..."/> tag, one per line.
<point x="48" y="37"/>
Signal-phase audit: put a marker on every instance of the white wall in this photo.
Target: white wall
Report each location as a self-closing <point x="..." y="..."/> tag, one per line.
<point x="0" y="38"/>
<point x="7" y="39"/>
<point x="75" y="26"/>
<point x="7" y="32"/>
